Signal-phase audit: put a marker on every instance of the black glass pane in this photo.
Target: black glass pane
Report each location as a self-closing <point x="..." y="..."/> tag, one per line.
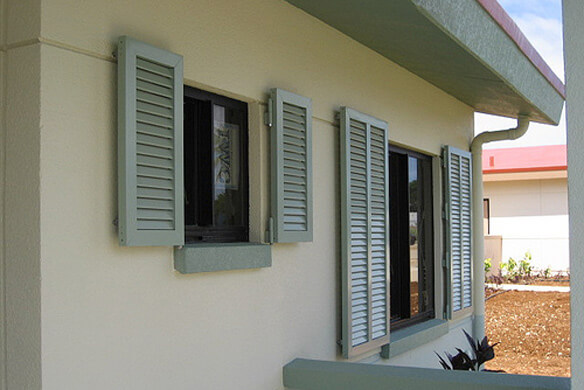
<point x="215" y="168"/>
<point x="228" y="183"/>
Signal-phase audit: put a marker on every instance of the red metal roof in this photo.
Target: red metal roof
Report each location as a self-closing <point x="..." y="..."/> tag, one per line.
<point x="527" y="159"/>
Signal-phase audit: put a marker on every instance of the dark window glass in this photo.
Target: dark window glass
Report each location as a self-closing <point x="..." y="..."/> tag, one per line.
<point x="215" y="165"/>
<point x="411" y="241"/>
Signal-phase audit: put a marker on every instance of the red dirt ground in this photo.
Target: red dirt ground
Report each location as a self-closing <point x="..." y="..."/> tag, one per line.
<point x="533" y="329"/>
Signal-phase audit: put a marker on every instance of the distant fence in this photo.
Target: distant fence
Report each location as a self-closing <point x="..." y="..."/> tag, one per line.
<point x="494" y="251"/>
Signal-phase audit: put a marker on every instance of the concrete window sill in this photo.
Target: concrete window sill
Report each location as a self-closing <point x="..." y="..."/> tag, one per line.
<point x="414" y="336"/>
<point x="221" y="257"/>
<point x="303" y="374"/>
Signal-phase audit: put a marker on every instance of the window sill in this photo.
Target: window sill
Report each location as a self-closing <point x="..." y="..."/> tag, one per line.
<point x="414" y="336"/>
<point x="304" y="374"/>
<point x="221" y="257"/>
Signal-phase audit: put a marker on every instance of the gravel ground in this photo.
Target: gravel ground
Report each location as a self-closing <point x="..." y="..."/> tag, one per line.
<point x="533" y="329"/>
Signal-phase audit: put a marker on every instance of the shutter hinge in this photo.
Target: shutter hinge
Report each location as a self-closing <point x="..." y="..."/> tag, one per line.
<point x="337" y="119"/>
<point x="270" y="231"/>
<point x="268" y="115"/>
<point x="116" y="222"/>
<point x="340" y="343"/>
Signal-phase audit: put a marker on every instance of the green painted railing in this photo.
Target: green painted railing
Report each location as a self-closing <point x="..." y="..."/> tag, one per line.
<point x="303" y="374"/>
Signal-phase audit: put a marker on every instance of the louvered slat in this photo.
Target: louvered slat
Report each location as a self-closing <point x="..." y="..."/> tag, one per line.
<point x="157" y="147"/>
<point x="359" y="242"/>
<point x="150" y="145"/>
<point x="379" y="234"/>
<point x="465" y="178"/>
<point x="456" y="234"/>
<point x="458" y="175"/>
<point x="292" y="166"/>
<point x="364" y="182"/>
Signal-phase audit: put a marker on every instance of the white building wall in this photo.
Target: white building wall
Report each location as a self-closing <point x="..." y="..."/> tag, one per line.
<point x="122" y="318"/>
<point x="531" y="215"/>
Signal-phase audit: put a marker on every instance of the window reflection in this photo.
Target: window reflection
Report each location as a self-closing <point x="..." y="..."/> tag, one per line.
<point x="226" y="149"/>
<point x="413" y="218"/>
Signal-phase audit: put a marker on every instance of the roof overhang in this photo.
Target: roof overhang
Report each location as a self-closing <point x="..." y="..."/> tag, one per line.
<point x="470" y="49"/>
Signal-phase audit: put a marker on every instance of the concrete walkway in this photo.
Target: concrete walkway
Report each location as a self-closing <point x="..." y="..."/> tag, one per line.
<point x="527" y="287"/>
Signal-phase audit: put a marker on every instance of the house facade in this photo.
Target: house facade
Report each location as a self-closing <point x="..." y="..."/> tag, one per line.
<point x="526" y="205"/>
<point x="133" y="260"/>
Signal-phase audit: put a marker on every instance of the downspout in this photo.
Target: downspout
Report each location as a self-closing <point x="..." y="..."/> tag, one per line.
<point x="476" y="149"/>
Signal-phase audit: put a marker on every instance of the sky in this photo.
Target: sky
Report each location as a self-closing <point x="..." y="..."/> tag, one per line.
<point x="541" y="22"/>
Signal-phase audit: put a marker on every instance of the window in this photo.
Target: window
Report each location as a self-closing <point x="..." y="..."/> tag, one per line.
<point x="215" y="168"/>
<point x="411" y="242"/>
<point x="487" y="216"/>
<point x="183" y="160"/>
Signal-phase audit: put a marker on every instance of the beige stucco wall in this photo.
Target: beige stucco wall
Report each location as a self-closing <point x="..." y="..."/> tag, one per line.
<point x="247" y="47"/>
<point x="20" y="143"/>
<point x="574" y="59"/>
<point x="531" y="215"/>
<point x="2" y="186"/>
<point x="122" y="318"/>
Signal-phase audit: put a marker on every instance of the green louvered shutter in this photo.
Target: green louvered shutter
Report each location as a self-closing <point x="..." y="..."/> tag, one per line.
<point x="150" y="145"/>
<point x="291" y="145"/>
<point x="458" y="195"/>
<point x="365" y="232"/>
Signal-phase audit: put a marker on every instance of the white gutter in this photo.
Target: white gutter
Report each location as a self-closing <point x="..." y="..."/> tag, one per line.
<point x="476" y="149"/>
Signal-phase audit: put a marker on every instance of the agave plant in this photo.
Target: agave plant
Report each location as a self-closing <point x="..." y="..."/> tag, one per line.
<point x="482" y="351"/>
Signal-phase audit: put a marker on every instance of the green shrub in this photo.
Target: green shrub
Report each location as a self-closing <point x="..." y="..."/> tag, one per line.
<point x="525" y="266"/>
<point x="513" y="269"/>
<point x="510" y="267"/>
<point x="488" y="266"/>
